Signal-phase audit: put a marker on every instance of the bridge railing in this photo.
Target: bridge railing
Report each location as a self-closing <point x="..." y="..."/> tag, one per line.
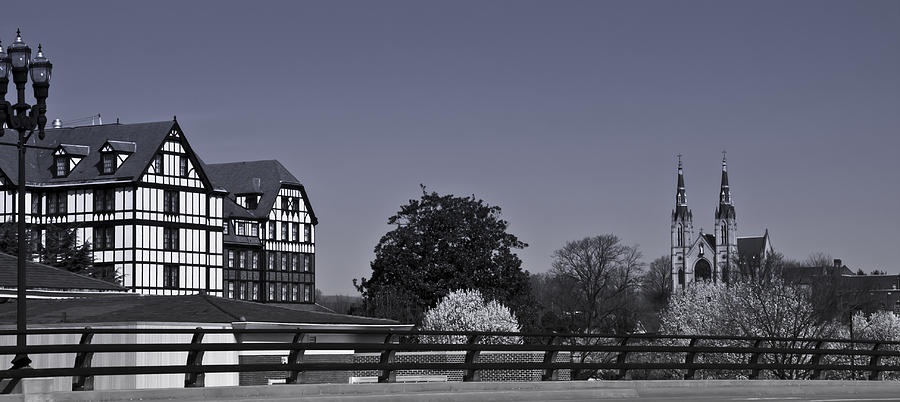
<point x="614" y="356"/>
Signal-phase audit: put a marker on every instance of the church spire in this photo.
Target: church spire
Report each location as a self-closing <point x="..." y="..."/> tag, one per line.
<point x="726" y="204"/>
<point x="680" y="194"/>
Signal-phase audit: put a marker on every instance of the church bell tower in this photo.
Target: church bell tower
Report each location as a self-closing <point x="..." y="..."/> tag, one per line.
<point x="726" y="229"/>
<point x="682" y="229"/>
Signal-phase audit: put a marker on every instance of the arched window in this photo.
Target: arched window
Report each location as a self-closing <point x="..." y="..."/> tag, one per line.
<point x="681" y="276"/>
<point x="680" y="235"/>
<point x="702" y="271"/>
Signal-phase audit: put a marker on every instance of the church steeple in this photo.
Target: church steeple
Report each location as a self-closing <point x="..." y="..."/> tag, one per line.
<point x="682" y="229"/>
<point x="726" y="204"/>
<point x="726" y="227"/>
<point x="681" y="210"/>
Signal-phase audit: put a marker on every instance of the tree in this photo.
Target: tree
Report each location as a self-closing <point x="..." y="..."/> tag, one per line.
<point x="467" y="310"/>
<point x="443" y="243"/>
<point x="749" y="308"/>
<point x="603" y="275"/>
<point x="656" y="288"/>
<point x="58" y="247"/>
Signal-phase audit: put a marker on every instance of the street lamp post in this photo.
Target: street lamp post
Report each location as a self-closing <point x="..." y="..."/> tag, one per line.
<point x="24" y="119"/>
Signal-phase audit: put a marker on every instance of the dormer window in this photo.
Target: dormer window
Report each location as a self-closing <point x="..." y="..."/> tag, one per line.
<point x="252" y="201"/>
<point x="109" y="163"/>
<point x="61" y="165"/>
<point x="66" y="157"/>
<point x="113" y="154"/>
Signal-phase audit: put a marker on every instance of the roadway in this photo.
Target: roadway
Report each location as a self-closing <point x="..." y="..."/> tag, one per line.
<point x="700" y="390"/>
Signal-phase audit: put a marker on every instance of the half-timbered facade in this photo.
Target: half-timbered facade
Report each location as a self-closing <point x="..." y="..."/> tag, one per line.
<point x="146" y="203"/>
<point x="269" y="231"/>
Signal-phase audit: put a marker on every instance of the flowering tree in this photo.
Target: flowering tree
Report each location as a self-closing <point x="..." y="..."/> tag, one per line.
<point x="748" y="308"/>
<point x="467" y="310"/>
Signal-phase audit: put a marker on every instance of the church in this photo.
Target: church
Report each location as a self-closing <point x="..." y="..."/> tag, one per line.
<point x="710" y="256"/>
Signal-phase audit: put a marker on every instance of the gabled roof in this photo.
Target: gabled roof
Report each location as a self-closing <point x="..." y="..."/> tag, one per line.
<point x="45" y="277"/>
<point x="193" y="309"/>
<point x="238" y="178"/>
<point x="142" y="140"/>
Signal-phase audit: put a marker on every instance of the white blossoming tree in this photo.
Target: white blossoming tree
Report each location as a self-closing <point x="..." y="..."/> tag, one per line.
<point x="467" y="310"/>
<point x="748" y="308"/>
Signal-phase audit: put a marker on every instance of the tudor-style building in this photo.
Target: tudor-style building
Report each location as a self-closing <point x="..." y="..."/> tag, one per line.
<point x="145" y="201"/>
<point x="710" y="256"/>
<point x="269" y="231"/>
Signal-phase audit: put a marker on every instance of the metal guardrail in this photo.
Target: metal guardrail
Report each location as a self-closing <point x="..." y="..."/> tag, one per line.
<point x="619" y="354"/>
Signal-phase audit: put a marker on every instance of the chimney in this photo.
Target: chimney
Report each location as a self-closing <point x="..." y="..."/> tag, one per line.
<point x="57" y="123"/>
<point x="837" y="263"/>
<point x="255" y="184"/>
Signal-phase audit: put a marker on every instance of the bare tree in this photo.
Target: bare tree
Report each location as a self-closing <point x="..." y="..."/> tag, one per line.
<point x="604" y="276"/>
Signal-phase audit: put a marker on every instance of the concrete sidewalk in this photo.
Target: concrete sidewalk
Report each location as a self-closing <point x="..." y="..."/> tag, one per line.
<point x="482" y="391"/>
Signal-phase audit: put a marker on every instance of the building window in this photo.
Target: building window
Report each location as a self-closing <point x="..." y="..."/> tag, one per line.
<point x="307" y="294"/>
<point x="307" y="233"/>
<point x="229" y="290"/>
<point x="254" y="229"/>
<point x="284" y="261"/>
<point x="225" y="227"/>
<point x="270" y="260"/>
<point x="271" y="292"/>
<point x="284" y="204"/>
<point x="104" y="200"/>
<point x="231" y="258"/>
<point x="295" y="232"/>
<point x="242" y="259"/>
<point x="240" y="228"/>
<point x="254" y="259"/>
<point x="158" y="164"/>
<point x="61" y="166"/>
<point x="284" y="231"/>
<point x="252" y="201"/>
<point x="104" y="237"/>
<point x="295" y="292"/>
<point x="295" y="203"/>
<point x="57" y="203"/>
<point x="109" y="162"/>
<point x="307" y="262"/>
<point x="170" y="276"/>
<point x="171" y="202"/>
<point x="36" y="204"/>
<point x="170" y="239"/>
<point x="183" y="166"/>
<point x="295" y="262"/>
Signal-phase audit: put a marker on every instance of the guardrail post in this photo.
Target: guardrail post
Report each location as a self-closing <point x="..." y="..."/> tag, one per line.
<point x="387" y="357"/>
<point x="83" y="360"/>
<point x="295" y="357"/>
<point x="754" y="359"/>
<point x="689" y="359"/>
<point x="620" y="360"/>
<point x="874" y="361"/>
<point x="195" y="359"/>
<point x="472" y="354"/>
<point x="549" y="358"/>
<point x="816" y="360"/>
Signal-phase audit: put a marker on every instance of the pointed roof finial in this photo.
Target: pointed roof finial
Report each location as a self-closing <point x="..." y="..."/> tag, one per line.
<point x="724" y="163"/>
<point x="679" y="160"/>
<point x="174" y="117"/>
<point x="18" y="36"/>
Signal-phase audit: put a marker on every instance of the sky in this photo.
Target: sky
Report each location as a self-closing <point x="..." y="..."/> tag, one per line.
<point x="566" y="114"/>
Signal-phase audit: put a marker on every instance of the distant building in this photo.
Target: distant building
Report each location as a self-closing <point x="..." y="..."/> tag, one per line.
<point x="154" y="213"/>
<point x="850" y="292"/>
<point x="711" y="256"/>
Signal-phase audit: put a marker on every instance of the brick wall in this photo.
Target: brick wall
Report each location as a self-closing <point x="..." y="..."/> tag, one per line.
<point x="459" y="357"/>
<point x="311" y="377"/>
